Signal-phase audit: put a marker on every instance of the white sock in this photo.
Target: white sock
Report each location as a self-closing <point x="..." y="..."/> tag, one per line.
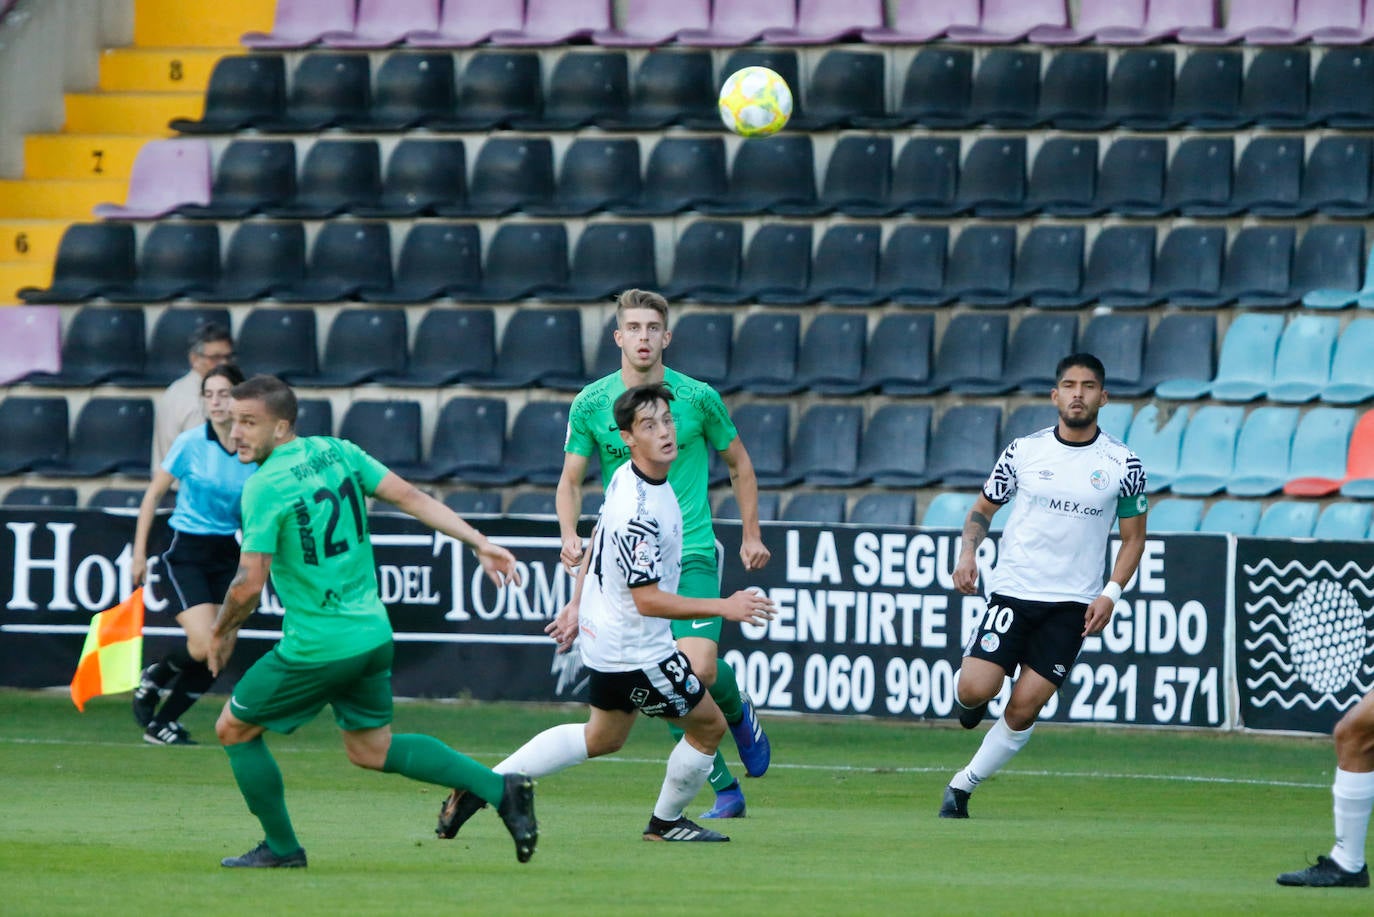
<point x="687" y="773"/>
<point x="1353" y="798"/>
<point x="999" y="746"/>
<point x="549" y="752"/>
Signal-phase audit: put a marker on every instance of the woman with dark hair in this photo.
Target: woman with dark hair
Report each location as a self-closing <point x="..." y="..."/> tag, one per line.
<point x="201" y="559"/>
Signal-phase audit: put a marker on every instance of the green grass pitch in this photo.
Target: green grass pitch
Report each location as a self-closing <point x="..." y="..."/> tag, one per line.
<point x="1085" y="821"/>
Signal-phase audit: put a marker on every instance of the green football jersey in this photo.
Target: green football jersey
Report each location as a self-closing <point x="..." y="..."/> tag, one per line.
<point x="307" y="507"/>
<point x="703" y="425"/>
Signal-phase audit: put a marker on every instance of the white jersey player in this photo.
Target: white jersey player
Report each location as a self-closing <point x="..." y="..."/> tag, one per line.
<point x="619" y="616"/>
<point x="1067" y="485"/>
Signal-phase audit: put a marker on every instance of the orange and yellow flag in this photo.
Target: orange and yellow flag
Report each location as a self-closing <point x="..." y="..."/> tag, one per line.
<point x="112" y="658"/>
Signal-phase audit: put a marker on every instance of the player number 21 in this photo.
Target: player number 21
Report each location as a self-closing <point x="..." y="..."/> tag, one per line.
<point x="333" y="547"/>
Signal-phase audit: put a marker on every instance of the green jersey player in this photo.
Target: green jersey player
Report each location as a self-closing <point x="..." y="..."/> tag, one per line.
<point x="305" y="523"/>
<point x="703" y="426"/>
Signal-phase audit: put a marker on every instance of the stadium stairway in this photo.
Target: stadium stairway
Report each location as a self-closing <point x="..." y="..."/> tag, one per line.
<point x="161" y="76"/>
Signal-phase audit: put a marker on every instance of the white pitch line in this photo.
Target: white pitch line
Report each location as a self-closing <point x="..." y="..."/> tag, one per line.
<point x="833" y="768"/>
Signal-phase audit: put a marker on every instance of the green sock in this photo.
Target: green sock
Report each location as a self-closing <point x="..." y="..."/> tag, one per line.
<point x="725" y="692"/>
<point x="425" y="758"/>
<point x="259" y="781"/>
<point x="720" y="778"/>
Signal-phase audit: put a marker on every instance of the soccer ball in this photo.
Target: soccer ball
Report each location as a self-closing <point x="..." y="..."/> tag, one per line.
<point x="755" y="102"/>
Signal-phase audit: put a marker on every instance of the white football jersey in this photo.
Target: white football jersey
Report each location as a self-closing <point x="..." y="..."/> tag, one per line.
<point x="1066" y="497"/>
<point x="638" y="541"/>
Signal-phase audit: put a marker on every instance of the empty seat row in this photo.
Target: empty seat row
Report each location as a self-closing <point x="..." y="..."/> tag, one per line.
<point x="1341" y="521"/>
<point x="111" y="498"/>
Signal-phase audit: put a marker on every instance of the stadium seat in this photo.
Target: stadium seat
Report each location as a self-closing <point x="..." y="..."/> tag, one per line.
<point x="1341" y="95"/>
<point x="898" y="361"/>
<point x="92" y="259"/>
<point x="1242" y="18"/>
<point x="1006" y="89"/>
<point x="314" y="417"/>
<point x="810" y="506"/>
<point x="741" y="23"/>
<point x="1120" y="267"/>
<point x="1163" y="20"/>
<point x="1226" y="517"/>
<point x="474" y="502"/>
<point x="768" y="502"/>
<point x="301" y="23"/>
<point x="845" y="86"/>
<point x="1259" y="268"/>
<point x="1352" y="372"/>
<point x="437" y="259"/>
<point x="523" y="259"/>
<point x="244" y="90"/>
<point x="670" y="87"/>
<point x="595" y="174"/>
<point x="262" y="259"/>
<point x="1344" y="521"/>
<point x="1188" y="267"/>
<point x="963" y="447"/>
<point x="539" y="347"/>
<point x="102" y="345"/>
<point x="451" y="345"/>
<point x="538" y="426"/>
<point x="1336" y="180"/>
<point x="327" y="89"/>
<point x="925" y="180"/>
<point x="1073" y="94"/>
<point x="1302" y="366"/>
<point x="362" y="344"/>
<point x="41" y="497"/>
<point x="1049" y="268"/>
<point x="911" y="270"/>
<point x="1319" y="21"/>
<point x="777" y="265"/>
<point x="464" y="23"/>
<point x="774" y="174"/>
<point x="947" y="511"/>
<point x="177" y="260"/>
<point x="858" y="177"/>
<point x="1332" y="297"/>
<point x="1359" y="464"/>
<point x="33" y="342"/>
<point x="1275" y="92"/>
<point x="1328" y="256"/>
<point x="1038" y="344"/>
<point x="413" y="90"/>
<point x="1208" y="452"/>
<point x="1092" y="17"/>
<point x="1287" y="519"/>
<point x="894" y="447"/>
<point x="772" y="342"/>
<point x="647" y="23"/>
<point x="972" y="355"/>
<point x="1063" y="178"/>
<point x="937" y="91"/>
<point x="1140" y="91"/>
<point x="496" y="88"/>
<point x="1114" y="419"/>
<point x="1262" y="452"/>
<point x="1028" y="419"/>
<point x="1245" y="368"/>
<point x="556" y="22"/>
<point x="1176" y="514"/>
<point x="278" y="342"/>
<point x="1119" y="342"/>
<point x="1010" y="21"/>
<point x="918" y="22"/>
<point x="825" y="448"/>
<point x="884" y="510"/>
<point x="823" y="22"/>
<point x="165" y="175"/>
<point x="468" y="443"/>
<point x="763" y="429"/>
<point x="509" y="174"/>
<point x="32" y="430"/>
<point x="608" y="258"/>
<point x="992" y="179"/>
<point x="111" y="436"/>
<point x="584" y="88"/>
<point x="1157" y="445"/>
<point x="336" y="176"/>
<point x="346" y="259"/>
<point x="532" y="503"/>
<point x="1200" y="178"/>
<point x="123" y="499"/>
<point x="383" y="23"/>
<point x="831" y="358"/>
<point x="1317" y="465"/>
<point x="707" y="263"/>
<point x="681" y="172"/>
<point x="844" y="271"/>
<point x="1269" y="177"/>
<point x="1181" y="346"/>
<point x="1209" y="90"/>
<point x="421" y="176"/>
<point x="980" y="266"/>
<point x="168" y="346"/>
<point x="1130" y="180"/>
<point x="250" y="175"/>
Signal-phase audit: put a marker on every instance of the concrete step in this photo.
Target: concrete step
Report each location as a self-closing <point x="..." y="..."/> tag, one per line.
<point x="109" y="156"/>
<point x="158" y="69"/>
<point x="199" y="23"/>
<point x="129" y="112"/>
<point x="57" y="199"/>
<point x="30" y="241"/>
<point x="14" y="277"/>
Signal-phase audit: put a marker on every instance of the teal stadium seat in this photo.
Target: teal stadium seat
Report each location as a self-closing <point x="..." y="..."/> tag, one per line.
<point x="1176" y="514"/>
<point x="1288" y="519"/>
<point x="1157" y="446"/>
<point x="1262" y="452"/>
<point x="1208" y="451"/>
<point x="1228" y="517"/>
<point x="1344" y="522"/>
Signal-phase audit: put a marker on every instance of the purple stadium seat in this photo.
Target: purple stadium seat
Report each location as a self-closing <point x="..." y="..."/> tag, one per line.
<point x="1163" y="20"/>
<point x="554" y="22"/>
<point x="1008" y="21"/>
<point x="1314" y="17"/>
<point x="655" y="22"/>
<point x="464" y="23"/>
<point x="32" y="336"/>
<point x="383" y="23"/>
<point x="1336" y="34"/>
<point x="1246" y="16"/>
<point x="821" y="22"/>
<point x="1093" y="17"/>
<point x="166" y="174"/>
<point x="300" y="23"/>
<point x="918" y="21"/>
<point x="740" y="23"/>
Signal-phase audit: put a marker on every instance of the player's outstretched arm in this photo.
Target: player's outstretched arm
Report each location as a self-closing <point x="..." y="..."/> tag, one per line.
<point x="975" y="530"/>
<point x="239" y="602"/>
<point x="745" y="606"/>
<point x="499" y="563"/>
<point x="563" y="629"/>
<point x="1099" y="612"/>
<point x="752" y="552"/>
<point x="161" y="483"/>
<point x="568" y="503"/>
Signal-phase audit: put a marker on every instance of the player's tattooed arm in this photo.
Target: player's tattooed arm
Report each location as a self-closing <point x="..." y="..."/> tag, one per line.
<point x="976" y="527"/>
<point x="239" y="603"/>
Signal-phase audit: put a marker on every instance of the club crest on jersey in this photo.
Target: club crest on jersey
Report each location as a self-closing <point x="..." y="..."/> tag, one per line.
<point x="691" y="685"/>
<point x="642" y="555"/>
<point x="990" y="642"/>
<point x="1099" y="480"/>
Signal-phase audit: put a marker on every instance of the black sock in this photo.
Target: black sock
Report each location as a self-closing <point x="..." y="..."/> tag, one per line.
<point x="193" y="681"/>
<point x="161" y="674"/>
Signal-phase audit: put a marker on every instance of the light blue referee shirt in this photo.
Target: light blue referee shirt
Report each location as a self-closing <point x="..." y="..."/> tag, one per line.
<point x="211" y="483"/>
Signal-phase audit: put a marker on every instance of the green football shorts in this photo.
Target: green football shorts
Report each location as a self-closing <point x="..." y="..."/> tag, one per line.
<point x="700" y="579"/>
<point x="282" y="696"/>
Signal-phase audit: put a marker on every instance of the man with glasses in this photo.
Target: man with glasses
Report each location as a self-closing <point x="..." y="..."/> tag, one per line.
<point x="179" y="408"/>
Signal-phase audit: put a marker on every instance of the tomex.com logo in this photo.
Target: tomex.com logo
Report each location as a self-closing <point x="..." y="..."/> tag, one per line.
<point x="1308" y="640"/>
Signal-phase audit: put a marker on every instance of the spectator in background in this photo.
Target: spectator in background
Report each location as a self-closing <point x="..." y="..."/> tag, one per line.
<point x="179" y="408"/>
